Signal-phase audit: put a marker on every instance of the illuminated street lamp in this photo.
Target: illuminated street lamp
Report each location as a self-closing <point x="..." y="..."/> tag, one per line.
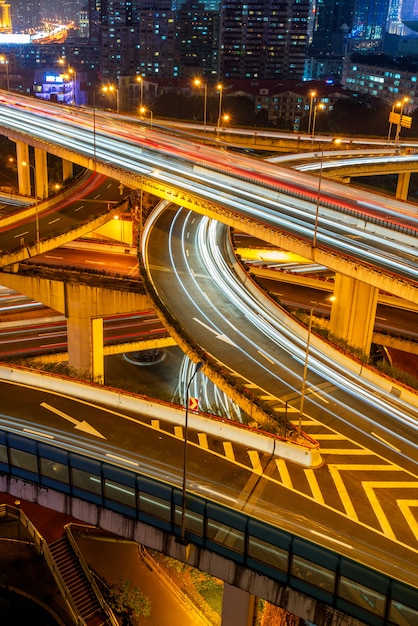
<point x="318" y="195"/>
<point x="321" y="106"/>
<point x="143" y="111"/>
<point x="182" y="539"/>
<point x="5" y="61"/>
<point x="394" y="105"/>
<point x="399" y="124"/>
<point x="198" y="82"/>
<point x="140" y="80"/>
<point x="72" y="76"/>
<point x="312" y="95"/>
<point x="25" y="164"/>
<point x="112" y="89"/>
<point x="305" y="366"/>
<point x="219" y="87"/>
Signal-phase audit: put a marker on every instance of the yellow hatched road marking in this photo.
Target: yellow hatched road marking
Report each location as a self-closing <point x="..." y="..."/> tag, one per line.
<point x="155" y="424"/>
<point x="347" y="451"/>
<point x="370" y="467"/>
<point x="284" y="473"/>
<point x="345" y="498"/>
<point x="229" y="451"/>
<point x="324" y="436"/>
<point x="405" y="506"/>
<point x="313" y="484"/>
<point x="203" y="440"/>
<point x="369" y="489"/>
<point x="255" y="461"/>
<point x="178" y="431"/>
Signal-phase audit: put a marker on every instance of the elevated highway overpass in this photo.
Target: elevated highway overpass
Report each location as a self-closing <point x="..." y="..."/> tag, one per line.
<point x="369" y="243"/>
<point x="231" y="212"/>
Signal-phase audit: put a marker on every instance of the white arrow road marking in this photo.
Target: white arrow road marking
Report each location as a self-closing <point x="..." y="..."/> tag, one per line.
<point x="221" y="337"/>
<point x="84" y="426"/>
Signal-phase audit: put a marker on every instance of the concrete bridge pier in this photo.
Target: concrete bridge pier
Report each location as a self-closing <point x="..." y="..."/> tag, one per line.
<point x="402" y="186"/>
<point x="238" y="607"/>
<point x="85" y="346"/>
<point x="24" y="175"/>
<point x="67" y="169"/>
<point x="41" y="174"/>
<point x="353" y="311"/>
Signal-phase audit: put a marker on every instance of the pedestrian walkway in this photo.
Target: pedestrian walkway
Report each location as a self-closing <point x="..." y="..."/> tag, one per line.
<point x="111" y="558"/>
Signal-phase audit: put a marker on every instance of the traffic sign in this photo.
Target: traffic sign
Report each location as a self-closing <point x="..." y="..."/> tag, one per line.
<point x="193" y="404"/>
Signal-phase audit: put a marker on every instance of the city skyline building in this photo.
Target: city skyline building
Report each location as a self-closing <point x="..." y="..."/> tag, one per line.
<point x="263" y="39"/>
<point x="25" y="15"/>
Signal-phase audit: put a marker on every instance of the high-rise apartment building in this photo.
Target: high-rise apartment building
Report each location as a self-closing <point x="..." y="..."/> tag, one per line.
<point x="135" y="36"/>
<point x="332" y="21"/>
<point x="197" y="38"/>
<point x="369" y="24"/>
<point x="224" y="39"/>
<point x="263" y="38"/>
<point x="26" y="15"/>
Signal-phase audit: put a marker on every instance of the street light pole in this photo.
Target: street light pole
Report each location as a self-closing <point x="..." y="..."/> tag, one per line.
<point x="320" y="106"/>
<point x="220" y="89"/>
<point x="141" y="86"/>
<point x="25" y="164"/>
<point x="399" y="124"/>
<point x="111" y="89"/>
<point x="318" y="195"/>
<point x="143" y="111"/>
<point x="305" y="365"/>
<point x="182" y="539"/>
<point x="312" y="95"/>
<point x="199" y="82"/>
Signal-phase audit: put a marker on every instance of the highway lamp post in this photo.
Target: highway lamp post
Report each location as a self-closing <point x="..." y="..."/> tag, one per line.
<point x="220" y="89"/>
<point x="312" y="96"/>
<point x="112" y="89"/>
<point x="305" y="365"/>
<point x="318" y="195"/>
<point x="73" y="75"/>
<point x="140" y="80"/>
<point x="5" y="61"/>
<point x="182" y="539"/>
<point x="198" y="82"/>
<point x="320" y="107"/>
<point x="399" y="124"/>
<point x="25" y="164"/>
<point x="394" y="105"/>
<point x="70" y="76"/>
<point x="143" y="111"/>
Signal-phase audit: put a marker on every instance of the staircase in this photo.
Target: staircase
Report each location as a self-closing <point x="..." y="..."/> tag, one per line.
<point x="78" y="585"/>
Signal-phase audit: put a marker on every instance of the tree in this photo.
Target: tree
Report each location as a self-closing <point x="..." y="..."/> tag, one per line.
<point x="129" y="601"/>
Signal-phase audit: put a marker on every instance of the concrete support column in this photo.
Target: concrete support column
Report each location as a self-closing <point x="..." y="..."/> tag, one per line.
<point x="353" y="312"/>
<point x="85" y="346"/>
<point x="67" y="169"/>
<point x="402" y="186"/>
<point x="238" y="607"/>
<point x="41" y="174"/>
<point x="23" y="173"/>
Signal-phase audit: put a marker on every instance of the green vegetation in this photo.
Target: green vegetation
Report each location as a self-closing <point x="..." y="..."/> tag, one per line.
<point x="128" y="602"/>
